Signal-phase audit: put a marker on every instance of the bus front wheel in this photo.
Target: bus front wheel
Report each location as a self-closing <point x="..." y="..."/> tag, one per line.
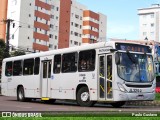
<point x="83" y="97"/>
<point x="20" y="94"/>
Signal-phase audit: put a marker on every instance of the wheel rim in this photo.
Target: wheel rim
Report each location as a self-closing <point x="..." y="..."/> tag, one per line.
<point x="84" y="96"/>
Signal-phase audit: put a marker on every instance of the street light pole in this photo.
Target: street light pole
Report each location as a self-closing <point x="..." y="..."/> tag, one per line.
<point x="8" y="22"/>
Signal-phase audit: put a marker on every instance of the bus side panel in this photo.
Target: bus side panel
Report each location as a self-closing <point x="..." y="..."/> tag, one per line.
<point x="31" y="86"/>
<point x="63" y="86"/>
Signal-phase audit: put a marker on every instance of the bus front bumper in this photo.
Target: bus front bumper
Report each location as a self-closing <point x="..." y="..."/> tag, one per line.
<point x="120" y="96"/>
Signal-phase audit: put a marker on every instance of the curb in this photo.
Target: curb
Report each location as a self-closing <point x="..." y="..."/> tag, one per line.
<point x="144" y="103"/>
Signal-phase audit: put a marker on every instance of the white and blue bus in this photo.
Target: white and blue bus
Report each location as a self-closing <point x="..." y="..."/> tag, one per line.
<point x="111" y="72"/>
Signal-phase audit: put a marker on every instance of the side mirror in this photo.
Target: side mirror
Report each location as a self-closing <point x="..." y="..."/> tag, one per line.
<point x="117" y="58"/>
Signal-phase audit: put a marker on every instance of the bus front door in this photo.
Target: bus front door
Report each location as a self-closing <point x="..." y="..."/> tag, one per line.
<point x="46" y="76"/>
<point x="105" y="77"/>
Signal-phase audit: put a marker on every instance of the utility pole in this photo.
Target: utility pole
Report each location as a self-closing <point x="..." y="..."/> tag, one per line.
<point x="8" y="22"/>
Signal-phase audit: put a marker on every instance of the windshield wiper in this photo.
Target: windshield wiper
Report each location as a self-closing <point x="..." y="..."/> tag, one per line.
<point x="131" y="57"/>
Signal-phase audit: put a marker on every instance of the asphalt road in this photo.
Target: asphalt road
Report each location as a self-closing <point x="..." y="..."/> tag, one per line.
<point x="11" y="104"/>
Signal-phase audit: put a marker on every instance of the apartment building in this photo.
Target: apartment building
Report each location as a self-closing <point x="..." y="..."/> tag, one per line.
<point x="3" y="16"/>
<point x="41" y="25"/>
<point x="149" y="23"/>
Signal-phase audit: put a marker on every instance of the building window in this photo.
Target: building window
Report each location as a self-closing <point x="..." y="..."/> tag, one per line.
<point x="13" y="36"/>
<point x="56" y="17"/>
<point x="51" y="26"/>
<point x="50" y="36"/>
<point x="36" y="8"/>
<point x="152" y="15"/>
<point x="29" y="26"/>
<point x="57" y="8"/>
<point x="71" y="41"/>
<point x="75" y="33"/>
<point x="152" y="24"/>
<point x="13" y="25"/>
<point x="76" y="25"/>
<point x="35" y="18"/>
<point x="28" y="37"/>
<point x="77" y="16"/>
<point x="144" y="33"/>
<point x="152" y="34"/>
<point x="52" y="7"/>
<point x="75" y="43"/>
<point x="29" y="15"/>
<point x="50" y="46"/>
<point x="52" y="16"/>
<point x="30" y="4"/>
<point x="46" y="32"/>
<point x="55" y="37"/>
<point x="71" y="23"/>
<point x="71" y="32"/>
<point x="80" y="26"/>
<point x="35" y="29"/>
<point x="144" y="25"/>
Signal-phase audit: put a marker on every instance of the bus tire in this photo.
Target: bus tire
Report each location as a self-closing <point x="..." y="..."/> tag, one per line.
<point x="118" y="104"/>
<point x="83" y="97"/>
<point x="20" y="94"/>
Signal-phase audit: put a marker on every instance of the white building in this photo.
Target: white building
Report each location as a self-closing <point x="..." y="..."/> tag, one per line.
<point x="41" y="25"/>
<point x="149" y="23"/>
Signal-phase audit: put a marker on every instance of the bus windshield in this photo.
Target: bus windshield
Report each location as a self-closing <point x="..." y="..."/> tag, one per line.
<point x="134" y="67"/>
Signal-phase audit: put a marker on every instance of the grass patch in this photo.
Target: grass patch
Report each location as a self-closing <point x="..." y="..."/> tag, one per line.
<point x="86" y="118"/>
<point x="158" y="96"/>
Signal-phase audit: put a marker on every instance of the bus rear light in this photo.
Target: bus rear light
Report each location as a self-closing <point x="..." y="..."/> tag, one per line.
<point x="121" y="87"/>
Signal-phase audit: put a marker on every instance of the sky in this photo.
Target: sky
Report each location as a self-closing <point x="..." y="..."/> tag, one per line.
<point x="122" y="15"/>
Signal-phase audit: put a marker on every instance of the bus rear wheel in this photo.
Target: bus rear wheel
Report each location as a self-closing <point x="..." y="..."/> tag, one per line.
<point x="118" y="104"/>
<point x="83" y="97"/>
<point x="20" y="94"/>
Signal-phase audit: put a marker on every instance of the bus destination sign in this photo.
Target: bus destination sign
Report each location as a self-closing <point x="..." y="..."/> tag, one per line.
<point x="133" y="47"/>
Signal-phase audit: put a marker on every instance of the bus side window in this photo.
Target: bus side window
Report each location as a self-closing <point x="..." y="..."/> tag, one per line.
<point x="69" y="62"/>
<point x="8" y="69"/>
<point x="57" y="64"/>
<point x="28" y="67"/>
<point x="86" y="60"/>
<point x="17" y="68"/>
<point x="36" y="65"/>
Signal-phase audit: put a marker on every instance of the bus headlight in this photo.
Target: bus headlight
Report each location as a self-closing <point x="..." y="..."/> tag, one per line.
<point x="121" y="87"/>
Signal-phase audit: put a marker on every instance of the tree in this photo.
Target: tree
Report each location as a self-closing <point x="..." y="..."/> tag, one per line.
<point x="17" y="53"/>
<point x="2" y="48"/>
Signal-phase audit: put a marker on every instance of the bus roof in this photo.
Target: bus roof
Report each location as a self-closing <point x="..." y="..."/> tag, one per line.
<point x="66" y="50"/>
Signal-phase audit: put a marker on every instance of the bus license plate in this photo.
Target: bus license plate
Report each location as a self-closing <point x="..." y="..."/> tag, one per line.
<point x="140" y="97"/>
